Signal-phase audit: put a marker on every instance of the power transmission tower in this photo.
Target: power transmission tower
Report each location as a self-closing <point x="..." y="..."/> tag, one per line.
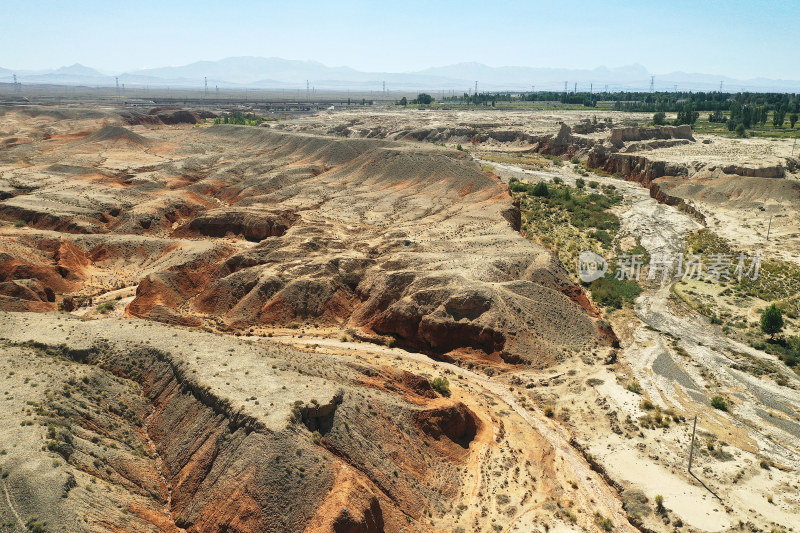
<point x="575" y="88"/>
<point x="591" y="88"/>
<point x="17" y="86"/>
<point x="565" y="87"/>
<point x="476" y="87"/>
<point x="116" y="80"/>
<point x="205" y="81"/>
<point x="308" y="91"/>
<point x="652" y="83"/>
<point x="676" y="87"/>
<point x="606" y="88"/>
<point x="720" y="86"/>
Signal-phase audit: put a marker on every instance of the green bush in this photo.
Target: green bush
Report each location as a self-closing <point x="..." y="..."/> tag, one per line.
<point x="105" y="307"/>
<point x="772" y="320"/>
<point x="441" y="385"/>
<point x="611" y="292"/>
<point x="19" y="223"/>
<point x="580" y="183"/>
<point x="603" y="236"/>
<point x="718" y="402"/>
<point x="660" y="504"/>
<point x="540" y="190"/>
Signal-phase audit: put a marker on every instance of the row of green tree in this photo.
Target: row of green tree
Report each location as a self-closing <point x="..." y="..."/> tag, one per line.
<point x="242" y="119"/>
<point x="638" y="101"/>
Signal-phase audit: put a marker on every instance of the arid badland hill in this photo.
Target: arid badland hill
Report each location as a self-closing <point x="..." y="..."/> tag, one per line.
<point x="340" y="322"/>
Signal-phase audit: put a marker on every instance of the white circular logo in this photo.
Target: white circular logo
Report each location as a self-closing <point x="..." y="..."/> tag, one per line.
<point x="591" y="266"/>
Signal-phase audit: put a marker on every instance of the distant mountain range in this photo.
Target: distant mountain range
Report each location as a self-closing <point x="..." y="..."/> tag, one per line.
<point x="276" y="73"/>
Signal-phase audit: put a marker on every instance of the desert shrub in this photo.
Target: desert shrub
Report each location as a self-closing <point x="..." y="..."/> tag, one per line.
<point x="19" y="223"/>
<point x="660" y="504"/>
<point x="635" y="503"/>
<point x="634" y="387"/>
<point x="718" y="402"/>
<point x="441" y="385"/>
<point x="33" y="525"/>
<point x="606" y="524"/>
<point x="580" y="183"/>
<point x="105" y="307"/>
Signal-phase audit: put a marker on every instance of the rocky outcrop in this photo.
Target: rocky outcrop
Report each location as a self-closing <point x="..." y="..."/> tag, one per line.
<point x="369" y="521"/>
<point x="253" y="224"/>
<point x="455" y="422"/>
<point x="586" y="127"/>
<point x="619" y="136"/>
<point x="644" y="171"/>
<point x="774" y="171"/>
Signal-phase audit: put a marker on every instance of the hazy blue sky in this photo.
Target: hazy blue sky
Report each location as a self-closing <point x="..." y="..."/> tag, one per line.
<point x="738" y="38"/>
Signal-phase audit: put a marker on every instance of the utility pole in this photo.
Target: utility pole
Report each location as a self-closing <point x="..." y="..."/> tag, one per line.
<point x="652" y="83"/>
<point x="384" y="88"/>
<point x="476" y="87"/>
<point x="116" y="80"/>
<point x="691" y="456"/>
<point x="308" y="91"/>
<point x="691" y="446"/>
<point x="591" y="88"/>
<point x="575" y="88"/>
<point x="769" y="227"/>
